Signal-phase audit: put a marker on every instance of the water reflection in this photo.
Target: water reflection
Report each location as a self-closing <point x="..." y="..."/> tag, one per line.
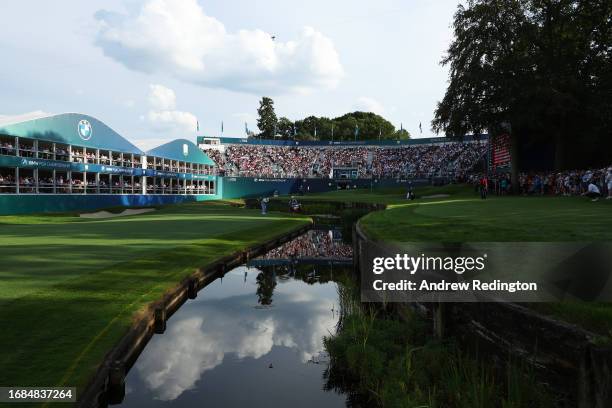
<point x="316" y="243"/>
<point x="253" y="338"/>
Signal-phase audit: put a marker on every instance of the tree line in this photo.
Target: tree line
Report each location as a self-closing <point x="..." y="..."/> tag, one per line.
<point x="350" y="126"/>
<point x="539" y="70"/>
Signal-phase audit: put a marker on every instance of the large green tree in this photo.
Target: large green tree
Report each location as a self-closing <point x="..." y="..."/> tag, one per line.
<point x="371" y="126"/>
<point x="536" y="68"/>
<point x="285" y="128"/>
<point x="402" y="134"/>
<point x="267" y="121"/>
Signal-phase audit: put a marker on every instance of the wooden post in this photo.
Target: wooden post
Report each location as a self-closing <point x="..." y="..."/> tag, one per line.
<point x="595" y="378"/>
<point x="192" y="289"/>
<point x="355" y="239"/>
<point x="439" y="319"/>
<point x="116" y="382"/>
<point x="160" y="319"/>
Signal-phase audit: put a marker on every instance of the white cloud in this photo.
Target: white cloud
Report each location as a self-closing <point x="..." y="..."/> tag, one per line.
<point x="161" y="98"/>
<point x="176" y="37"/>
<point x="367" y="104"/>
<point x="168" y="120"/>
<point x="163" y="115"/>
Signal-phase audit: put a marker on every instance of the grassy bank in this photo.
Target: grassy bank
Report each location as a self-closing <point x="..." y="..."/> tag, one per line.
<point x="71" y="286"/>
<point x="395" y="362"/>
<point x="461" y="216"/>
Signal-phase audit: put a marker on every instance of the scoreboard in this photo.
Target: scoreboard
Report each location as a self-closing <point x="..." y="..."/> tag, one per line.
<point x="343" y="173"/>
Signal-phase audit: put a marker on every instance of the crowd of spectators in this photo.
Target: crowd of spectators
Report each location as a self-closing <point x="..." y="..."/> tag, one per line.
<point x="6" y="182"/>
<point x="448" y="159"/>
<point x="7" y="148"/>
<point x="313" y="244"/>
<point x="565" y="183"/>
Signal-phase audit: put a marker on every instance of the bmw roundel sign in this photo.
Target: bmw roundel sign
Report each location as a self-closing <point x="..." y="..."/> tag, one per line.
<point x="85" y="130"/>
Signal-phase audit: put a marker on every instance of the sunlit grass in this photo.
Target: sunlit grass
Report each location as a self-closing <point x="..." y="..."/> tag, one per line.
<point x="69" y="287"/>
<point x="463" y="217"/>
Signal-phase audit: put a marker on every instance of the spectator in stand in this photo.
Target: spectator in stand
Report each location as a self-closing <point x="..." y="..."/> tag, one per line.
<point x="447" y="159"/>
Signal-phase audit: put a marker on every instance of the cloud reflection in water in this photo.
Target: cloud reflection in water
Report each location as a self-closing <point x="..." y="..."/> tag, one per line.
<point x="205" y="331"/>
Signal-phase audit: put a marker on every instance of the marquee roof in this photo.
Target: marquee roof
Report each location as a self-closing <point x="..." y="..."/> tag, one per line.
<point x="71" y="128"/>
<point x="182" y="150"/>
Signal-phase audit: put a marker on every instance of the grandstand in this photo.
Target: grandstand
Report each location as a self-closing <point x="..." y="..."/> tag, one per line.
<point x="73" y="161"/>
<point x="414" y="159"/>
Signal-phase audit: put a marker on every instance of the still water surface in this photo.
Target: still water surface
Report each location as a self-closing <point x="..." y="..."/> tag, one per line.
<point x="252" y="338"/>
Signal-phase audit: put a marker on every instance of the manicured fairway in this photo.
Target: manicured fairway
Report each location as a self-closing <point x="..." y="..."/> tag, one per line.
<point x="382" y="195"/>
<point x="464" y="217"/>
<point x="69" y="287"/>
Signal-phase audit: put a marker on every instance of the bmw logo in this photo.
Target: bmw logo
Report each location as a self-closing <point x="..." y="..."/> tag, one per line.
<point x="85" y="130"/>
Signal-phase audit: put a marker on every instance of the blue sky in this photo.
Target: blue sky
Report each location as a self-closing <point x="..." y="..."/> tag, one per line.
<point x="149" y="68"/>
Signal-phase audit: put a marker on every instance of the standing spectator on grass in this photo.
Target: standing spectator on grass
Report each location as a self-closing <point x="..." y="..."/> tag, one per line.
<point x="503" y="185"/>
<point x="592" y="192"/>
<point x="410" y="192"/>
<point x="609" y="183"/>
<point x="484" y="187"/>
<point x="586" y="180"/>
<point x="264" y="206"/>
<point x="537" y="185"/>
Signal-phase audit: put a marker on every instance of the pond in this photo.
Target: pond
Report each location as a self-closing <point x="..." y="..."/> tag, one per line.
<point x="253" y="337"/>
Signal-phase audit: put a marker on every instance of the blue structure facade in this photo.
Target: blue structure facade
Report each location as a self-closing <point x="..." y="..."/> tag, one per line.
<point x="71" y="162"/>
